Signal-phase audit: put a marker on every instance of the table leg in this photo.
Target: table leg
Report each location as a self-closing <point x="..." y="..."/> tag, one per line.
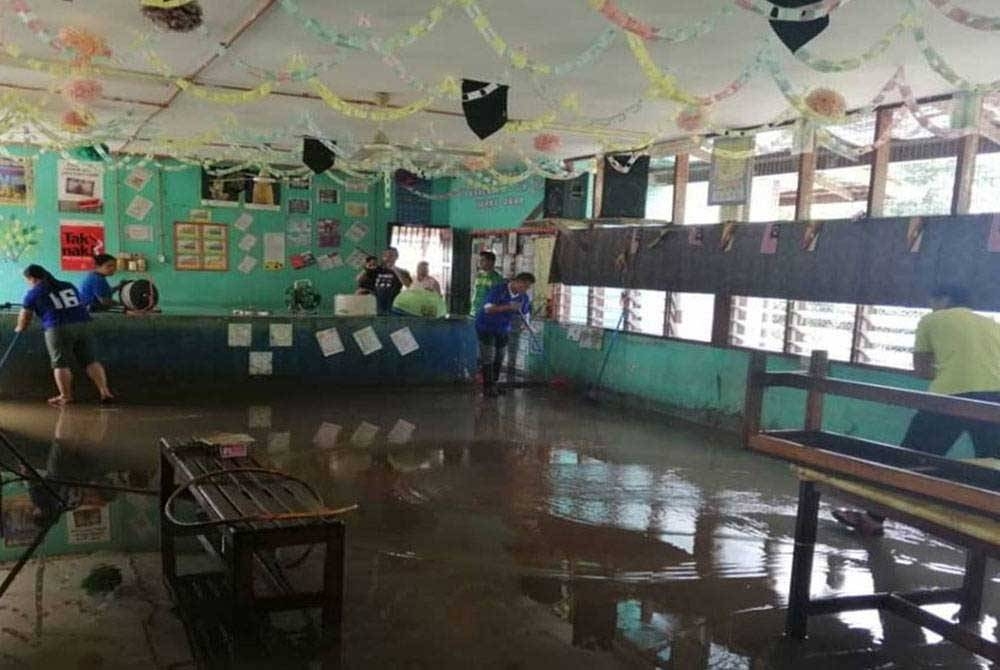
<point x="802" y="560"/>
<point x="972" y="586"/>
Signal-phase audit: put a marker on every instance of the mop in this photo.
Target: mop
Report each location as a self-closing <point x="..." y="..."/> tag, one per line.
<point x="10" y="348"/>
<point x="591" y="393"/>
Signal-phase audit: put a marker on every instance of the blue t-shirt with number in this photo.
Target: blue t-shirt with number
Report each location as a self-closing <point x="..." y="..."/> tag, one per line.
<point x="56" y="305"/>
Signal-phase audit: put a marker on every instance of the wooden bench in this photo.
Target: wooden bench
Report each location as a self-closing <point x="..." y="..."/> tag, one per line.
<point x="245" y="514"/>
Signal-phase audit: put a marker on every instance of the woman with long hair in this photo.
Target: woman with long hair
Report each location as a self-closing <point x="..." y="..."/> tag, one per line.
<point x="67" y="333"/>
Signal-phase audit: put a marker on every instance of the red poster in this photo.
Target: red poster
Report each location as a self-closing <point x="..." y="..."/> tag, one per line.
<point x="79" y="241"/>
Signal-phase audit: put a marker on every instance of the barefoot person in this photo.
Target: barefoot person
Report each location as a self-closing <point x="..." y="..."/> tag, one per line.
<point x="67" y="337"/>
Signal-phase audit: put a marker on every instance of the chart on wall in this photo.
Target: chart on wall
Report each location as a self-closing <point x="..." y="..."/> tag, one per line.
<point x="201" y="246"/>
<point x="79" y="242"/>
<point x="15" y="181"/>
<point x="80" y="187"/>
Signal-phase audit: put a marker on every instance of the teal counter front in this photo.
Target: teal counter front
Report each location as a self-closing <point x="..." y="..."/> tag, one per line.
<point x="160" y="352"/>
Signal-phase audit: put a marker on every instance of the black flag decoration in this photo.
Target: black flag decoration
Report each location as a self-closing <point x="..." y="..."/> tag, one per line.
<point x="625" y="181"/>
<point x="796" y="34"/>
<point x="485" y="106"/>
<point x="316" y="155"/>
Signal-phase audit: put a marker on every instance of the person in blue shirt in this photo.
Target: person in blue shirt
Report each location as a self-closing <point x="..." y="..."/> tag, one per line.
<point x="493" y="325"/>
<point x="95" y="292"/>
<point x="67" y="335"/>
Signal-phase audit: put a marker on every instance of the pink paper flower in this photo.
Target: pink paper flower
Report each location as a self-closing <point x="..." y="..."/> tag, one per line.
<point x="826" y="102"/>
<point x="547" y="142"/>
<point x="82" y="91"/>
<point x="86" y="44"/>
<point x="76" y="122"/>
<point x="692" y="119"/>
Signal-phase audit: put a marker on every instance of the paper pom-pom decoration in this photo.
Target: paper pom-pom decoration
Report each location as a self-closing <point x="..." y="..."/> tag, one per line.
<point x="692" y="119"/>
<point x="173" y="16"/>
<point x="547" y="142"/>
<point x="84" y="43"/>
<point x="82" y="91"/>
<point x="76" y="121"/>
<point x="826" y="102"/>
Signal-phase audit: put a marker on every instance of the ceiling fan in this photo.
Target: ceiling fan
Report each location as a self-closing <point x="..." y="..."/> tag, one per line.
<point x="381" y="147"/>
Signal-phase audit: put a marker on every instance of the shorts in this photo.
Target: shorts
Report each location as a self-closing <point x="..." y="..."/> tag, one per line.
<point x="68" y="344"/>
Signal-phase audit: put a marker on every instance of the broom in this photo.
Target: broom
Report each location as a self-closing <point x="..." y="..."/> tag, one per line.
<point x="591" y="393"/>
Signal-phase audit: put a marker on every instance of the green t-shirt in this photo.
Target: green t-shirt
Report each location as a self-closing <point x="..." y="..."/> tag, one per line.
<point x="420" y="302"/>
<point x="485" y="281"/>
<point x="966" y="348"/>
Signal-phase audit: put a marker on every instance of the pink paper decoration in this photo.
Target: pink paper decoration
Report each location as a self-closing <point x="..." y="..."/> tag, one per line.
<point x="82" y="91"/>
<point x="826" y="102"/>
<point x="692" y="119"/>
<point x="547" y="142"/>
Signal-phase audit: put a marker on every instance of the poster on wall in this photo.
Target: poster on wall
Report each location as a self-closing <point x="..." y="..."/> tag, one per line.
<point x="15" y="181"/>
<point x="88" y="524"/>
<point x="262" y="192"/>
<point x="298" y="205"/>
<point x="356" y="210"/>
<point x="328" y="233"/>
<point x="328" y="196"/>
<point x="274" y="251"/>
<point x="299" y="183"/>
<point x="731" y="174"/>
<point x="17" y="520"/>
<point x="201" y="246"/>
<point x="80" y="187"/>
<point x="221" y="190"/>
<point x="298" y="231"/>
<point x="79" y="241"/>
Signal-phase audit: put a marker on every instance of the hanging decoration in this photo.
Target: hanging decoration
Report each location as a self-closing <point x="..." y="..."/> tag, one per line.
<point x="612" y="12"/>
<point x="179" y="16"/>
<point x="34" y="24"/>
<point x="82" y="91"/>
<point x="907" y="21"/>
<point x="547" y="142"/>
<point x="826" y="103"/>
<point x="692" y="118"/>
<point x="965" y="17"/>
<point x="86" y="46"/>
<point x="77" y="121"/>
<point x="795" y="34"/>
<point x="661" y="85"/>
<point x="446" y="89"/>
<point x="485" y="106"/>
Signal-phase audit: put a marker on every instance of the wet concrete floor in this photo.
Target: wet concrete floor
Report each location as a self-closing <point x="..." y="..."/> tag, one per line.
<point x="533" y="531"/>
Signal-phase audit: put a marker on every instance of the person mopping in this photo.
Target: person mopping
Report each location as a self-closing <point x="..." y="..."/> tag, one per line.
<point x="493" y="325"/>
<point x="67" y="331"/>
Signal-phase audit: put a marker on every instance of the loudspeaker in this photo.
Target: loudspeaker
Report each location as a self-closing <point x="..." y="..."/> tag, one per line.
<point x="624" y="192"/>
<point x="566" y="198"/>
<point x="316" y="156"/>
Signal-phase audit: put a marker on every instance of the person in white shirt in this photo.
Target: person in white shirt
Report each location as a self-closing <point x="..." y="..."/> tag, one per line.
<point x="424" y="280"/>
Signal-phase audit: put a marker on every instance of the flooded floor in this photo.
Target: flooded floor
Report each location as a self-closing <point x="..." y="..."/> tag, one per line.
<point x="534" y="531"/>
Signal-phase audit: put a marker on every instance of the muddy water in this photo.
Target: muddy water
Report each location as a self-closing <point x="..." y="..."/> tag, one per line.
<point x="535" y="531"/>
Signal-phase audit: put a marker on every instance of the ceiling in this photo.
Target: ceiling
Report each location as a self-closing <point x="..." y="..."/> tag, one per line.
<point x="242" y="39"/>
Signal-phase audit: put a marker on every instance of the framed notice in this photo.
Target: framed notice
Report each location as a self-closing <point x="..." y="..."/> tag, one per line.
<point x="201" y="246"/>
<point x="731" y="172"/>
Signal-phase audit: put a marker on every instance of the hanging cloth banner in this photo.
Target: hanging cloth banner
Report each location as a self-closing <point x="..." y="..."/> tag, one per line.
<point x="795" y="34"/>
<point x="731" y="173"/>
<point x="485" y="106"/>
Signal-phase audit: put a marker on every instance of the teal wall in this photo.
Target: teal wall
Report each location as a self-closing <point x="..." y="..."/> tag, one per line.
<point x="473" y="209"/>
<point x="181" y="193"/>
<point x="709" y="383"/>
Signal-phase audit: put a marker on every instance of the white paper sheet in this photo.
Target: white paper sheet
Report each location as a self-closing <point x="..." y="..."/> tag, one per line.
<point x="279" y="442"/>
<point x="357" y="232"/>
<point x="404" y="341"/>
<point x="365" y="434"/>
<point x="261" y="363"/>
<point x="274" y="251"/>
<point x="357" y="259"/>
<point x="281" y="334"/>
<point x="329" y="261"/>
<point x="401" y="433"/>
<point x="247" y="265"/>
<point x="137" y="233"/>
<point x="259" y="416"/>
<point x="326" y="435"/>
<point x="243" y="222"/>
<point x="138" y="178"/>
<point x="239" y="334"/>
<point x="139" y="207"/>
<point x="247" y="242"/>
<point x="367" y="340"/>
<point x="329" y="342"/>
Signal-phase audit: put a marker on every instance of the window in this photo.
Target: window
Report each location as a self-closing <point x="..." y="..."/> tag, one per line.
<point x="691" y="316"/>
<point x="570" y="303"/>
<point x="827" y="326"/>
<point x="696" y="207"/>
<point x="886" y="335"/>
<point x="776" y="177"/>
<point x="759" y="323"/>
<point x="921" y="174"/>
<point x="840" y="188"/>
<point x="643" y="309"/>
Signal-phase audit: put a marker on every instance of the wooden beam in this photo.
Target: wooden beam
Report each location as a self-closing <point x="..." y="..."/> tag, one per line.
<point x="753" y="401"/>
<point x="965" y="174"/>
<point x="722" y="317"/>
<point x="819" y="365"/>
<point x="598" y="195"/>
<point x="880" y="163"/>
<point x="682" y="172"/>
<point x="807" y="184"/>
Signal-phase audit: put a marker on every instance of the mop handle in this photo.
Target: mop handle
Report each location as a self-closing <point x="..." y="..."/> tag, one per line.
<point x="10" y="348"/>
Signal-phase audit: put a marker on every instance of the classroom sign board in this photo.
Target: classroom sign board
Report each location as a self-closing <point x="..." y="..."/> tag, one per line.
<point x="201" y="246"/>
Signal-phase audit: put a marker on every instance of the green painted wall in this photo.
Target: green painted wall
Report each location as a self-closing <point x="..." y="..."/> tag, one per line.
<point x="710" y="383"/>
<point x="181" y="192"/>
<point x="472" y="209"/>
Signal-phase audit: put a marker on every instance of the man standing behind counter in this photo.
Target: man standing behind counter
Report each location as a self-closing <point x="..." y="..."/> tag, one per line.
<point x="486" y="279"/>
<point x="959" y="351"/>
<point x="493" y="325"/>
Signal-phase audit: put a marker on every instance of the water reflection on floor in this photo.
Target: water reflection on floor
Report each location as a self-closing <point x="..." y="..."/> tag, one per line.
<point x="533" y="531"/>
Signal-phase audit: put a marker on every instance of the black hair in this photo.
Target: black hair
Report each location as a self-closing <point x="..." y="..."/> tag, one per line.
<point x="101" y="259"/>
<point x="958" y="296"/>
<point x="488" y="255"/>
<point x="38" y="272"/>
<point x="525" y="276"/>
<point x="369" y="259"/>
<point x="392" y="249"/>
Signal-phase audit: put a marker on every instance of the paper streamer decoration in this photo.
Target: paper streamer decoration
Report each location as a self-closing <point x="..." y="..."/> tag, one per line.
<point x="612" y="12"/>
<point x="485" y="106"/>
<point x="965" y="17"/>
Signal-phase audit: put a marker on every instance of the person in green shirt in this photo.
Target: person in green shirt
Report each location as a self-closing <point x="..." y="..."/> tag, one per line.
<point x="959" y="351"/>
<point x="486" y="279"/>
<point x="415" y="300"/>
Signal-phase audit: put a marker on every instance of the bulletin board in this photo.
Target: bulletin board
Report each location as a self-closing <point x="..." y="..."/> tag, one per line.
<point x="201" y="246"/>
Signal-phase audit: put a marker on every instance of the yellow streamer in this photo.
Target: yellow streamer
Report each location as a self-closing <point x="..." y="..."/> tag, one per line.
<point x="447" y="88"/>
<point x="661" y="85"/>
<point x="225" y="98"/>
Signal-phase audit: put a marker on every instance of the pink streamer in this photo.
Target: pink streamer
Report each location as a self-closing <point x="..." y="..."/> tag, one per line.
<point x="612" y="12"/>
